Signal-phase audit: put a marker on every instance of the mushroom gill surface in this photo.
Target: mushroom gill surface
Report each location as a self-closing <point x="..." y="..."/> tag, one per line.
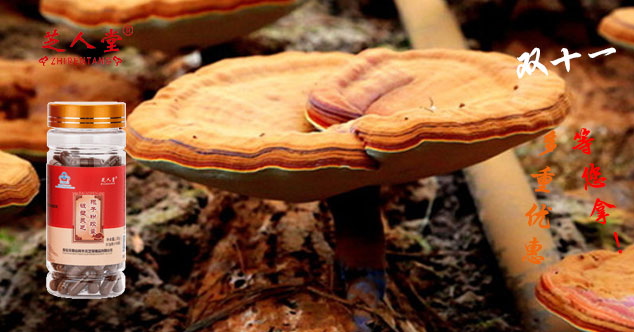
<point x="618" y="27"/>
<point x="240" y="124"/>
<point x="168" y="24"/>
<point x="18" y="181"/>
<point x="26" y="87"/>
<point x="593" y="291"/>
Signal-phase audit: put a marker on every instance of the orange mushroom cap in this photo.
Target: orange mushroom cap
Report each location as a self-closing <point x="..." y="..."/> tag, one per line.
<point x="398" y="99"/>
<point x="27" y="86"/>
<point x="239" y="124"/>
<point x="168" y="24"/>
<point x="618" y="27"/>
<point x="592" y="291"/>
<point x="18" y="182"/>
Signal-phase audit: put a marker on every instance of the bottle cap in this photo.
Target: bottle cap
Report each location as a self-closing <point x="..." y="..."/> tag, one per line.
<point x="96" y="114"/>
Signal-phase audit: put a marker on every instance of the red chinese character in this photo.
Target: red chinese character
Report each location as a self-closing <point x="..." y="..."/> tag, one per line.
<point x="52" y="41"/>
<point x="111" y="38"/>
<point x="539" y="217"/>
<point x="592" y="176"/>
<point x="43" y="60"/>
<point x="117" y="61"/>
<point x="532" y="252"/>
<point x="79" y="38"/>
<point x="549" y="142"/>
<point x="599" y="208"/>
<point x="543" y="178"/>
<point x="584" y="141"/>
<point x="82" y="212"/>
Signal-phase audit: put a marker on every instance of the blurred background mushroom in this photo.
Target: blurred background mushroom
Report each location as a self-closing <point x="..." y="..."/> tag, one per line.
<point x="26" y="87"/>
<point x="18" y="184"/>
<point x="618" y="27"/>
<point x="167" y="25"/>
<point x="592" y="291"/>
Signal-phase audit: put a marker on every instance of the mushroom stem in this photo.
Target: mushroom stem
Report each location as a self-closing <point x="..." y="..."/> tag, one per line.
<point x="360" y="241"/>
<point x="360" y="248"/>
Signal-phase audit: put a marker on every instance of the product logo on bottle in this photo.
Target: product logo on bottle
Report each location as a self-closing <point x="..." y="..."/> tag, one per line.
<point x="109" y="181"/>
<point x="64" y="181"/>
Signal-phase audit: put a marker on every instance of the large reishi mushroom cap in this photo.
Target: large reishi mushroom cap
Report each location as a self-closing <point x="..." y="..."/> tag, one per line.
<point x="422" y="113"/>
<point x="26" y="87"/>
<point x="239" y="124"/>
<point x="401" y="98"/>
<point x="18" y="182"/>
<point x="618" y="27"/>
<point x="592" y="291"/>
<point x="168" y="24"/>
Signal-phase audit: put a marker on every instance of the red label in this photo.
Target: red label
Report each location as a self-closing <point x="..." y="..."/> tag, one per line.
<point x="86" y="199"/>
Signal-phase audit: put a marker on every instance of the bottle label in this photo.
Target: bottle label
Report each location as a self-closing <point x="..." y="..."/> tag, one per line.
<point x="85" y="215"/>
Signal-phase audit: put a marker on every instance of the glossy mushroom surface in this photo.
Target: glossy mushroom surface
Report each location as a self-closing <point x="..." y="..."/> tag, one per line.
<point x="168" y="24"/>
<point x="18" y="182"/>
<point x="239" y="124"/>
<point x="26" y="87"/>
<point x="618" y="27"/>
<point x="400" y="99"/>
<point x="422" y="113"/>
<point x="592" y="291"/>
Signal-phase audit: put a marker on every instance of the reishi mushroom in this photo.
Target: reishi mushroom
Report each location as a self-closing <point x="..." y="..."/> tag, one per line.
<point x="458" y="107"/>
<point x="27" y="86"/>
<point x="384" y="117"/>
<point x="618" y="27"/>
<point x="593" y="291"/>
<point x="238" y="124"/>
<point x="167" y="25"/>
<point x="18" y="183"/>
